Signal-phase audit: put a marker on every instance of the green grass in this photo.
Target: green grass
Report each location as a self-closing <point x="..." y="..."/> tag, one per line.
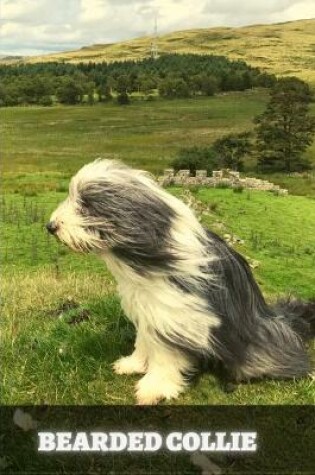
<point x="43" y="147"/>
<point x="278" y="232"/>
<point x="25" y="244"/>
<point x="63" y="325"/>
<point x="146" y="134"/>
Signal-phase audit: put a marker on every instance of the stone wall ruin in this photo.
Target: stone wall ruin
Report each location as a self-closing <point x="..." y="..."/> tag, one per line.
<point x="219" y="178"/>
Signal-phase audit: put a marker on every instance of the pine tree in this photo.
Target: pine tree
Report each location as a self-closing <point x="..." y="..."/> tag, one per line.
<point x="285" y="129"/>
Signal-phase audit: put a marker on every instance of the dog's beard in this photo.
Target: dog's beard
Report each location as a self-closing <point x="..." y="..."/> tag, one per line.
<point x="77" y="232"/>
<point x="74" y="242"/>
<point x="79" y="241"/>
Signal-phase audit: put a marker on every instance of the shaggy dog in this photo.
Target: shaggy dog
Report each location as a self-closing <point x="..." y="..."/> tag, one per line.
<point x="189" y="295"/>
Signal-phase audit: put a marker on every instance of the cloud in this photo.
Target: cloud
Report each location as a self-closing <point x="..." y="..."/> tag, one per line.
<point x="302" y="9"/>
<point x="266" y="7"/>
<point x="93" y="11"/>
<point x="238" y="13"/>
<point x="34" y="12"/>
<point x="38" y="26"/>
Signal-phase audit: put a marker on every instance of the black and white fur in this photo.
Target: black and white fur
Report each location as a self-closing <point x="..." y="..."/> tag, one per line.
<point x="190" y="296"/>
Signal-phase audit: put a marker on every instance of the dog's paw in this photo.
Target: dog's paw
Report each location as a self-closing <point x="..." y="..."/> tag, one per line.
<point x="129" y="365"/>
<point x="150" y="390"/>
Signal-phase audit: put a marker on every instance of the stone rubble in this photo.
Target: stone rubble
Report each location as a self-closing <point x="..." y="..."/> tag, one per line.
<point x="219" y="178"/>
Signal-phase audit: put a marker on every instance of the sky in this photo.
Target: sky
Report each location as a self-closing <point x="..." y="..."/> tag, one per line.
<point x="31" y="27"/>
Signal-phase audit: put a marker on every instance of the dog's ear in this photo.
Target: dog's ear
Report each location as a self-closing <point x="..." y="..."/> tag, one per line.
<point x="93" y="198"/>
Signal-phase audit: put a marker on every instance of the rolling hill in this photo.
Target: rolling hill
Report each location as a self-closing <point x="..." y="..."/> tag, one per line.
<point x="282" y="48"/>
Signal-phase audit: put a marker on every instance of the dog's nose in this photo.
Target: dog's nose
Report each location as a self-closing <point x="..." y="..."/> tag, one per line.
<point x="51" y="227"/>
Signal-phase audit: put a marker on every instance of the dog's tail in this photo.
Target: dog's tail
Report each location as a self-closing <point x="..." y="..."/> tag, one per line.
<point x="299" y="314"/>
<point x="277" y="346"/>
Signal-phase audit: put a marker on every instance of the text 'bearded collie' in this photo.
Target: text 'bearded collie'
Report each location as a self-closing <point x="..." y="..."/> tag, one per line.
<point x="190" y="296"/>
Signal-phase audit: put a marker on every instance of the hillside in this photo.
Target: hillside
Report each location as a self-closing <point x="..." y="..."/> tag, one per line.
<point x="283" y="48"/>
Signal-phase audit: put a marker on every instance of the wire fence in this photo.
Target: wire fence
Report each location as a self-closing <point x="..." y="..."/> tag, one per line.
<point x="25" y="243"/>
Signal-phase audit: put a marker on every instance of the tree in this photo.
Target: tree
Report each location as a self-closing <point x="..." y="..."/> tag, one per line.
<point x="232" y="149"/>
<point x="89" y="89"/>
<point x="123" y="99"/>
<point x="174" y="87"/>
<point x="45" y="101"/>
<point x="70" y="92"/>
<point x="32" y="89"/>
<point x="204" y="83"/>
<point x="177" y="75"/>
<point x="285" y="129"/>
<point x="104" y="92"/>
<point x="123" y="84"/>
<point x="233" y="81"/>
<point x="4" y="98"/>
<point x="146" y="84"/>
<point x="10" y="94"/>
<point x="195" y="158"/>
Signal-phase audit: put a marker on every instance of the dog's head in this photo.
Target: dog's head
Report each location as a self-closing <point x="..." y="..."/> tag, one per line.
<point x="111" y="206"/>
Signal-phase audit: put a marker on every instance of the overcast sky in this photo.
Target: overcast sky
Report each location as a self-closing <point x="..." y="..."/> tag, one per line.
<point x="44" y="26"/>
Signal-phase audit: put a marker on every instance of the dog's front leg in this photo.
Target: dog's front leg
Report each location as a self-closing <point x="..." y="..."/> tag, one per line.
<point x="164" y="378"/>
<point x="136" y="362"/>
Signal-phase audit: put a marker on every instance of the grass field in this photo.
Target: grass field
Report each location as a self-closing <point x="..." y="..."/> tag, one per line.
<point x="43" y="147"/>
<point x="62" y="322"/>
<point x="146" y="134"/>
<point x="63" y="326"/>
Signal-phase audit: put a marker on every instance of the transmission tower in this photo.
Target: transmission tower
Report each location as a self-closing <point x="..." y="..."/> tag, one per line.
<point x="154" y="44"/>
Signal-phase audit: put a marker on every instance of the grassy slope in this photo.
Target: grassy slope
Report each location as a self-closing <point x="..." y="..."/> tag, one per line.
<point x="284" y="48"/>
<point x="48" y="359"/>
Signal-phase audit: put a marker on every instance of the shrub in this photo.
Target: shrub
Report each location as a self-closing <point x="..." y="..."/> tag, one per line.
<point x="238" y="189"/>
<point x="123" y="99"/>
<point x="45" y="101"/>
<point x="222" y="185"/>
<point x="150" y="98"/>
<point x="195" y="158"/>
<point x="232" y="149"/>
<point x="174" y="87"/>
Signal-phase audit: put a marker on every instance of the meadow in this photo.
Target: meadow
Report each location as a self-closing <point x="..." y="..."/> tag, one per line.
<point x="145" y="133"/>
<point x="62" y="324"/>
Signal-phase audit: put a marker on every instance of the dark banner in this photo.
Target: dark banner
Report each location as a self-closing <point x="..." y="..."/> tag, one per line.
<point x="118" y="440"/>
